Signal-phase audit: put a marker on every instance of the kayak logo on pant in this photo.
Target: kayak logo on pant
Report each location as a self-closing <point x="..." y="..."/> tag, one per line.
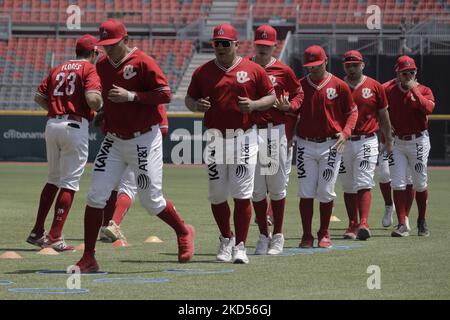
<point x="103" y="155"/>
<point x="301" y="172"/>
<point x="213" y="173"/>
<point x="142" y="153"/>
<point x="241" y="171"/>
<point x="342" y="168"/>
<point x="143" y="181"/>
<point x="391" y="160"/>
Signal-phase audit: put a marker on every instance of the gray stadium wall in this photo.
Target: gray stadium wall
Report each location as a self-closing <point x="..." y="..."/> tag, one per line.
<point x="22" y="138"/>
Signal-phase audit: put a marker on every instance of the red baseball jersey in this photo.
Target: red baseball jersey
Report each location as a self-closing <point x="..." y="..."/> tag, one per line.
<point x="370" y="97"/>
<point x="244" y="78"/>
<point x="326" y="107"/>
<point x="408" y="109"/>
<point x="65" y="88"/>
<point x="284" y="82"/>
<point x="139" y="73"/>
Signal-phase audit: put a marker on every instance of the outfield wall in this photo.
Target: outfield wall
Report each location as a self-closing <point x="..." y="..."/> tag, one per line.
<point x="22" y="137"/>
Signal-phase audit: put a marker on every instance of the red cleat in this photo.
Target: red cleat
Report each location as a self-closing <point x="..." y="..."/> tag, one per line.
<point x="363" y="231"/>
<point x="307" y="242"/>
<point x="87" y="263"/>
<point x="324" y="240"/>
<point x="186" y="245"/>
<point x="351" y="231"/>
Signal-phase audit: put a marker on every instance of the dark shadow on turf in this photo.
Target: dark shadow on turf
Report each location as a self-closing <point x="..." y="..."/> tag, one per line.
<point x="23" y="271"/>
<point x="167" y="261"/>
<point x="22" y="250"/>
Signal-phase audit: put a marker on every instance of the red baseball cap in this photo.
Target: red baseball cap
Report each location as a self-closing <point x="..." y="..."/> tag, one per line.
<point x="314" y="56"/>
<point x="353" y="56"/>
<point x="405" y="63"/>
<point x="86" y="43"/>
<point x="225" y="32"/>
<point x="266" y="35"/>
<point x="111" y="32"/>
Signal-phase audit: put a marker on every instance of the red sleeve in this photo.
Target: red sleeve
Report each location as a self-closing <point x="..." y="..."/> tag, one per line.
<point x="264" y="86"/>
<point x="159" y="90"/>
<point x="42" y="90"/>
<point x="424" y="101"/>
<point x="91" y="80"/>
<point x="194" y="89"/>
<point x="296" y="94"/>
<point x="382" y="98"/>
<point x="349" y="108"/>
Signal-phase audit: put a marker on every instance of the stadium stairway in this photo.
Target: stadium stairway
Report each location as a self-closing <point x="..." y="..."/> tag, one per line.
<point x="197" y="60"/>
<point x="221" y="12"/>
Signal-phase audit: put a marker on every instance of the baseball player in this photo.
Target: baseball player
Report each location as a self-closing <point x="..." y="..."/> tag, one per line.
<point x="409" y="105"/>
<point x="271" y="130"/>
<point x="360" y="155"/>
<point x="385" y="160"/>
<point x="327" y="118"/>
<point x="123" y="196"/>
<point x="228" y="89"/>
<point x="70" y="93"/>
<point x="133" y="87"/>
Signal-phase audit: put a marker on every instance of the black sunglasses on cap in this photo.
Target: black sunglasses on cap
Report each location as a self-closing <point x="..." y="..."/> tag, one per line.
<point x="223" y="43"/>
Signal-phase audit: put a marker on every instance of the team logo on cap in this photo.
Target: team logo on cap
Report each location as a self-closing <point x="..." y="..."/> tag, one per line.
<point x="407" y="63"/>
<point x="312" y="57"/>
<point x="264" y="35"/>
<point x="104" y="34"/>
<point x="366" y="93"/>
<point x="220" y="32"/>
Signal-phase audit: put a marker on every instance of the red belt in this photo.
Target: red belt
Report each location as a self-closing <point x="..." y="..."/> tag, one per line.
<point x="318" y="139"/>
<point x="362" y="136"/>
<point x="71" y="116"/>
<point x="409" y="137"/>
<point x="132" y="135"/>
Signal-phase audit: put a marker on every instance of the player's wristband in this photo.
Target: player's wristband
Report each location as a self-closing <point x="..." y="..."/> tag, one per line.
<point x="131" y="95"/>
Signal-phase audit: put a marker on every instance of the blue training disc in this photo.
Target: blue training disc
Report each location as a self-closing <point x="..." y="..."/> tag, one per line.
<point x="198" y="271"/>
<point x="48" y="290"/>
<point x="64" y="273"/>
<point x="131" y="280"/>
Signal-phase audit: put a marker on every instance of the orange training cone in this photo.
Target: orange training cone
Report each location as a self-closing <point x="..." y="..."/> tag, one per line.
<point x="10" y="255"/>
<point x="48" y="252"/>
<point x="120" y="243"/>
<point x="335" y="219"/>
<point x="153" y="239"/>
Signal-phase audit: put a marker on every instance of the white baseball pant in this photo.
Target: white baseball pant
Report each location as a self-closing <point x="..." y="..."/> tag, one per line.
<point x="357" y="168"/>
<point x="231" y="166"/>
<point x="270" y="172"/>
<point x="413" y="154"/>
<point x="67" y="144"/>
<point x="143" y="155"/>
<point x="317" y="169"/>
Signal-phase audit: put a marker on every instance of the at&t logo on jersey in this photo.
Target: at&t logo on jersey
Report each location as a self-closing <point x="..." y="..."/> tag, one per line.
<point x="331" y="93"/>
<point x="128" y="72"/>
<point x="366" y="93"/>
<point x="242" y="77"/>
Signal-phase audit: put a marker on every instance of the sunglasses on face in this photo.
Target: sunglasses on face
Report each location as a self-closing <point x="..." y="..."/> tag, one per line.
<point x="223" y="43"/>
<point x="405" y="73"/>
